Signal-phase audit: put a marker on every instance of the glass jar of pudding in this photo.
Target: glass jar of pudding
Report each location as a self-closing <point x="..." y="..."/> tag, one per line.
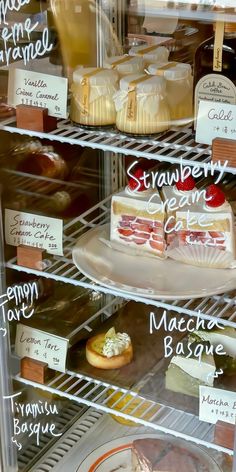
<point x="92" y="101"/>
<point x="141" y="105"/>
<point x="179" y="89"/>
<point x="125" y="65"/>
<point x="150" y="54"/>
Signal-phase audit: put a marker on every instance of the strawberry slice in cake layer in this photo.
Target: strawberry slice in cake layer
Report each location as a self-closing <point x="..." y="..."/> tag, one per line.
<point x="172" y="197"/>
<point x="135" y="222"/>
<point x="207" y="224"/>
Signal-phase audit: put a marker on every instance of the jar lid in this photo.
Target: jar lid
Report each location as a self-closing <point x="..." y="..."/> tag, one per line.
<point x="97" y="76"/>
<point x="149" y="84"/>
<point x="170" y="70"/>
<point x="125" y="63"/>
<point x="156" y="53"/>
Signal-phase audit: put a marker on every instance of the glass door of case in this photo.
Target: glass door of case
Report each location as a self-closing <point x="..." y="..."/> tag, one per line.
<point x="118" y="277"/>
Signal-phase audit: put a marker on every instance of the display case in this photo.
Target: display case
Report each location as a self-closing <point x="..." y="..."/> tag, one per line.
<point x="118" y="259"/>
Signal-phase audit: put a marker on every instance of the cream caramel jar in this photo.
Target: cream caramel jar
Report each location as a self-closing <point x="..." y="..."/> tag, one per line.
<point x="125" y="65"/>
<point x="179" y="89"/>
<point x="150" y="54"/>
<point x="141" y="105"/>
<point x="92" y="96"/>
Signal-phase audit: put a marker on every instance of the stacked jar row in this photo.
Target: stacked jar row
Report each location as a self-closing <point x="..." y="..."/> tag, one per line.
<point x="141" y="93"/>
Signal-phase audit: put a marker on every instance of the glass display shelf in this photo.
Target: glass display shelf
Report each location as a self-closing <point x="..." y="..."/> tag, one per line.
<point x="169" y="146"/>
<point x="142" y="402"/>
<point x="188" y="10"/>
<point x="68" y="415"/>
<point x="98" y="394"/>
<point x="99" y="428"/>
<point x="63" y="269"/>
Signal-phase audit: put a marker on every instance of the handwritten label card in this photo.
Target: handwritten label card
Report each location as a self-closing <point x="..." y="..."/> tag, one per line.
<point x="215" y="120"/>
<point x="35" y="89"/>
<point x="41" y="346"/>
<point x="34" y="230"/>
<point x="217" y="405"/>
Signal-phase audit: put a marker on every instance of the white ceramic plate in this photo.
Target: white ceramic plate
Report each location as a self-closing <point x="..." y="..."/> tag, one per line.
<point x="116" y="455"/>
<point x="146" y="276"/>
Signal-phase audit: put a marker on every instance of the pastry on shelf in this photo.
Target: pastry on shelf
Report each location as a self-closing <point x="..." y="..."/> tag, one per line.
<point x="6" y="111"/>
<point x="44" y="161"/>
<point x="185" y="375"/>
<point x="109" y="350"/>
<point x="205" y="235"/>
<point x="136" y="222"/>
<point x="225" y="337"/>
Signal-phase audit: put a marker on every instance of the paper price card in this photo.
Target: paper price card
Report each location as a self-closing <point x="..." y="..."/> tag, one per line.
<point x="35" y="89"/>
<point x="41" y="346"/>
<point x="34" y="230"/>
<point x="217" y="405"/>
<point x="215" y="120"/>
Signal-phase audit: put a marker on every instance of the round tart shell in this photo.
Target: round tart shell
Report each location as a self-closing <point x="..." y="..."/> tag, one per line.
<point x="103" y="362"/>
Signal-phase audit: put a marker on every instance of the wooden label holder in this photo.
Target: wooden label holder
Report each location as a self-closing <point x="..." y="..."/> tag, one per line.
<point x="224" y="434"/>
<point x="30" y="257"/>
<point x="224" y="150"/>
<point x="36" y="371"/>
<point x="35" y="118"/>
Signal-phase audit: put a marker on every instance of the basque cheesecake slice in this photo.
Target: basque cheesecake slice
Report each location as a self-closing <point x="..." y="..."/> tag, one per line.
<point x="156" y="455"/>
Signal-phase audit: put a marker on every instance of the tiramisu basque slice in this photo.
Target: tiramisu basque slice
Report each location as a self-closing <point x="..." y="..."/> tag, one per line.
<point x="156" y="455"/>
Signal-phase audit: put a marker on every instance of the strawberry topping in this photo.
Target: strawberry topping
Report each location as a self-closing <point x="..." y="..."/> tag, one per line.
<point x="214" y="196"/>
<point x="133" y="184"/>
<point x="186" y="185"/>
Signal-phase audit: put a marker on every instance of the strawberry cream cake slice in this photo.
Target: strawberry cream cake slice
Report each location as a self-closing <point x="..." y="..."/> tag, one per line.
<point x="206" y="231"/>
<point x="135" y="221"/>
<point x="173" y="198"/>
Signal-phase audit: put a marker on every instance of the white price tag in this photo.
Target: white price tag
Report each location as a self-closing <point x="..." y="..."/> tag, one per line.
<point x="41" y="346"/>
<point x="34" y="230"/>
<point x="41" y="90"/>
<point x="217" y="405"/>
<point x="215" y="120"/>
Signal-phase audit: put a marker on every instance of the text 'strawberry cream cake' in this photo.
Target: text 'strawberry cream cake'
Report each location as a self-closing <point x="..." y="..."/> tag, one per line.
<point x="135" y="222"/>
<point x="173" y="196"/>
<point x="206" y="232"/>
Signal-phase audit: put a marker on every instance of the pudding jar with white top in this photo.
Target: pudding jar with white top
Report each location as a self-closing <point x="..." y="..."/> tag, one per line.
<point x="125" y="65"/>
<point x="150" y="54"/>
<point x="92" y="101"/>
<point x="179" y="90"/>
<point x="141" y="105"/>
